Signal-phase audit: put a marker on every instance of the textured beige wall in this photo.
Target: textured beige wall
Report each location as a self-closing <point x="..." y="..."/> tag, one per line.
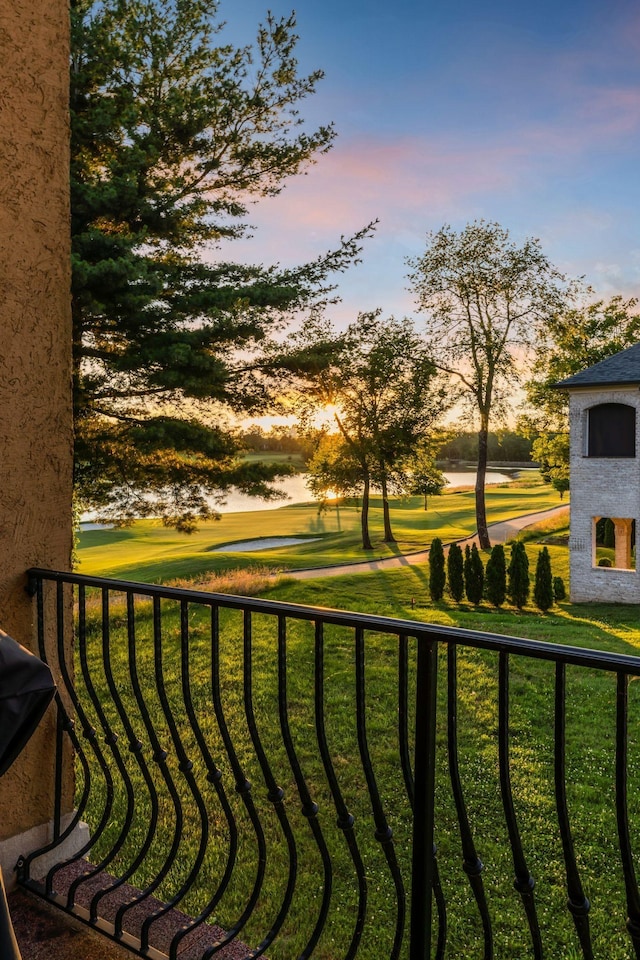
<point x="35" y="339"/>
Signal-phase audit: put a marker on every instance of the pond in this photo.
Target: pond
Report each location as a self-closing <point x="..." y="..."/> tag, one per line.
<point x="295" y="488"/>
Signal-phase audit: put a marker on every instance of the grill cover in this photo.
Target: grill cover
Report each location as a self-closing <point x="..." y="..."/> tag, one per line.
<point x="26" y="689"/>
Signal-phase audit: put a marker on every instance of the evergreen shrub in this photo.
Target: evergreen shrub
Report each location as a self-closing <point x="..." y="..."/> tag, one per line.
<point x="496" y="576"/>
<point x="559" y="590"/>
<point x="473" y="575"/>
<point x="518" y="575"/>
<point x="543" y="586"/>
<point x="437" y="574"/>
<point x="455" y="572"/>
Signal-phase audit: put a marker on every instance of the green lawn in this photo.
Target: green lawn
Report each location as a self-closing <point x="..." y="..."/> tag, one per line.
<point x="295" y="460"/>
<point x="150" y="552"/>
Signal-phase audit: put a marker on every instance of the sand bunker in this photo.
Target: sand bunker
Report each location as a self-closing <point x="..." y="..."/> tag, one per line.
<point x="264" y="543"/>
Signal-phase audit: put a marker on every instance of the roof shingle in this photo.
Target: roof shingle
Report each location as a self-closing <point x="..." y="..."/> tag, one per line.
<point x="621" y="368"/>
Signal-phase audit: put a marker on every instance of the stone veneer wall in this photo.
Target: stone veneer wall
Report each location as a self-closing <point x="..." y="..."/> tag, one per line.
<point x="601" y="487"/>
<point x="35" y="348"/>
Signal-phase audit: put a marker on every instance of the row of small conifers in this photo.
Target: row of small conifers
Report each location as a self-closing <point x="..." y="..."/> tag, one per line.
<point x="464" y="575"/>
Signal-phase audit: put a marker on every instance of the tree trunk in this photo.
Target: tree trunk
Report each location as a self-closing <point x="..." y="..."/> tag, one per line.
<point x="364" y="514"/>
<point x="481" y="510"/>
<point x="388" y="532"/>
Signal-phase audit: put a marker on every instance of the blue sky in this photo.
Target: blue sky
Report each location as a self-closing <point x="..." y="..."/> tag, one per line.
<point x="449" y="111"/>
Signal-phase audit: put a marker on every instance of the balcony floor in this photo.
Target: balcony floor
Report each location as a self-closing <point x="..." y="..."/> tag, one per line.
<point x="45" y="933"/>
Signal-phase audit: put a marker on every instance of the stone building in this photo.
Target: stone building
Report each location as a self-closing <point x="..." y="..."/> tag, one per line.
<point x="604" y="405"/>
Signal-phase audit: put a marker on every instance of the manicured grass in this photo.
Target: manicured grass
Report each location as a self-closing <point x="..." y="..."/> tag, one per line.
<point x="295" y="460"/>
<point x="591" y="700"/>
<point x="150" y="552"/>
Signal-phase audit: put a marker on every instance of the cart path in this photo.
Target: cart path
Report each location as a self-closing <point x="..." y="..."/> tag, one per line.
<point x="499" y="532"/>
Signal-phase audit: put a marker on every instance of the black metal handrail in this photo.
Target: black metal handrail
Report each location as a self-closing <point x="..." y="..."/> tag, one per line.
<point x="178" y="699"/>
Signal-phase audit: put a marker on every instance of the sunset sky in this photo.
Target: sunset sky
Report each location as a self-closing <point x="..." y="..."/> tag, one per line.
<point x="449" y="111"/>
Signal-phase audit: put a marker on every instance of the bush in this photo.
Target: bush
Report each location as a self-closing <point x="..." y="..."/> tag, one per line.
<point x="518" y="575"/>
<point x="496" y="576"/>
<point x="473" y="575"/>
<point x="559" y="591"/>
<point x="543" y="586"/>
<point x="455" y="572"/>
<point x="604" y="562"/>
<point x="437" y="576"/>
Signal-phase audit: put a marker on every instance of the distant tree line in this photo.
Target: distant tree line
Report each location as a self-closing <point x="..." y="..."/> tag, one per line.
<point x="503" y="446"/>
<point x="278" y="439"/>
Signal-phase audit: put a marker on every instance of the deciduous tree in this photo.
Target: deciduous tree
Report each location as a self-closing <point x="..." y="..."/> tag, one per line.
<point x="576" y="337"/>
<point x="378" y="379"/>
<point x="551" y="451"/>
<point x="424" y="479"/>
<point x="485" y="300"/>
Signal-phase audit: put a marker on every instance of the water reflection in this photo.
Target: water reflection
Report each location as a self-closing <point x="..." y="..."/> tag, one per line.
<point x="295" y="488"/>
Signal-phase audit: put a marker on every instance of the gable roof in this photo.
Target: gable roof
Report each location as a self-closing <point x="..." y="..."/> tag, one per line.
<point x="621" y="368"/>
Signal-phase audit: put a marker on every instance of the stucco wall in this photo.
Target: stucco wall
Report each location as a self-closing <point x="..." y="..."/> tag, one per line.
<point x="35" y="391"/>
<point x="601" y="487"/>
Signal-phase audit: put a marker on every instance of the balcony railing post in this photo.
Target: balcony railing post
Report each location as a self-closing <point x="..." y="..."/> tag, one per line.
<point x="423" y="863"/>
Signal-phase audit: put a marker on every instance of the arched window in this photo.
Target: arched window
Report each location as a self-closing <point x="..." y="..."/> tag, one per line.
<point x="611" y="430"/>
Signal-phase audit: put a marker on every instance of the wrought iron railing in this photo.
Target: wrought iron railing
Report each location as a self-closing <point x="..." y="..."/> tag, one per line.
<point x="266" y="778"/>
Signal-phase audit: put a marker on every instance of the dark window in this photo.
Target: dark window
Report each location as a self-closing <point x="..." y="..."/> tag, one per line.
<point x="611" y="430"/>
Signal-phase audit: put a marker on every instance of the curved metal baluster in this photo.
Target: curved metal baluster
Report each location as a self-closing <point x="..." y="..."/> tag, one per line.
<point x="383" y="832"/>
<point x="345" y="819"/>
<point x="111" y="738"/>
<point x="243" y="788"/>
<point x="68" y="725"/>
<point x="159" y="756"/>
<point x="471" y="862"/>
<point x="524" y="882"/>
<point x="407" y="772"/>
<point x="622" y="813"/>
<point x="403" y="714"/>
<point x="214" y="776"/>
<point x="275" y="793"/>
<point x="89" y="733"/>
<point x="136" y="748"/>
<point x="577" y="903"/>
<point x="185" y="766"/>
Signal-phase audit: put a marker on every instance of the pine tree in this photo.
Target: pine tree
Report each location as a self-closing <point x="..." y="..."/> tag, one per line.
<point x="496" y="576"/>
<point x="543" y="586"/>
<point x="173" y="134"/>
<point x="473" y="575"/>
<point x="437" y="574"/>
<point x="518" y="575"/>
<point x="455" y="572"/>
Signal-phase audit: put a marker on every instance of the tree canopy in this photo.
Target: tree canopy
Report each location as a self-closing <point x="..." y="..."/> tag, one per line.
<point x="576" y="337"/>
<point x="485" y="300"/>
<point x="173" y="135"/>
<point x="378" y="378"/>
<point x="581" y="334"/>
